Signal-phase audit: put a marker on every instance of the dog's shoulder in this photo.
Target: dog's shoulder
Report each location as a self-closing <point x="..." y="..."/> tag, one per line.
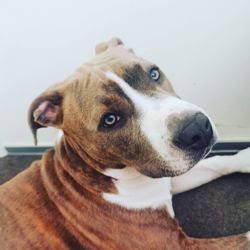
<point x="24" y="209"/>
<point x="22" y="186"/>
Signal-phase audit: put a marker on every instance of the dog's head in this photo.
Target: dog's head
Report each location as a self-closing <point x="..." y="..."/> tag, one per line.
<point x="122" y="111"/>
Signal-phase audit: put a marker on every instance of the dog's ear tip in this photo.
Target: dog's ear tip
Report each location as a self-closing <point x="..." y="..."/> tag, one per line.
<point x="116" y="41"/>
<point x="34" y="127"/>
<point x="35" y="141"/>
<point x="35" y="137"/>
<point x="113" y="42"/>
<point x="45" y="111"/>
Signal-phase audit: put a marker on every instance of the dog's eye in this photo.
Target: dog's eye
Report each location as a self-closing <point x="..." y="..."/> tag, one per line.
<point x="110" y="119"/>
<point x="154" y="74"/>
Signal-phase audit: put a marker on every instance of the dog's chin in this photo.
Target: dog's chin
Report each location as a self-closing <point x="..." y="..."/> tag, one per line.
<point x="174" y="168"/>
<point x="167" y="172"/>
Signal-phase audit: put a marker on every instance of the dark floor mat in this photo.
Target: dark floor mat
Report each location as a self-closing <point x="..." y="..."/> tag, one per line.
<point x="12" y="165"/>
<point x="219" y="208"/>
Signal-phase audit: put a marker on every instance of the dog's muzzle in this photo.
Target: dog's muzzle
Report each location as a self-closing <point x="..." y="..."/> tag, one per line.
<point x="195" y="133"/>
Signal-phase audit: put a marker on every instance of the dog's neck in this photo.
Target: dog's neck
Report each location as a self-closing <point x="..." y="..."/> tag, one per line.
<point x="83" y="169"/>
<point x="136" y="191"/>
<point x="125" y="187"/>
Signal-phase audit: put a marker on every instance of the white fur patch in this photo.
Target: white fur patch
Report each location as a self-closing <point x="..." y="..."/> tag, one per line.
<point x="242" y="159"/>
<point x="136" y="191"/>
<point x="211" y="169"/>
<point x="154" y="116"/>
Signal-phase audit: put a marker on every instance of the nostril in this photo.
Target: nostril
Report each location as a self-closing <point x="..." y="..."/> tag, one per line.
<point x="208" y="125"/>
<point x="196" y="138"/>
<point x="195" y="133"/>
<point x="195" y="142"/>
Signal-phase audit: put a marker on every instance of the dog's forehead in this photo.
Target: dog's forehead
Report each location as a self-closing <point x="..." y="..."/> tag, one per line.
<point x="127" y="65"/>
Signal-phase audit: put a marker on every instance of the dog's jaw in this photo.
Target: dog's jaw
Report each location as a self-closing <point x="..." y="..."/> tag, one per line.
<point x="136" y="191"/>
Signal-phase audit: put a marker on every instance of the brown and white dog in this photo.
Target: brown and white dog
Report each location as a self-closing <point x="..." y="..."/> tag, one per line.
<point x="106" y="185"/>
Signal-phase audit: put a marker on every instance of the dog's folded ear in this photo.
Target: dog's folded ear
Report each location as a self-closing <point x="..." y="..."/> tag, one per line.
<point x="101" y="47"/>
<point x="46" y="110"/>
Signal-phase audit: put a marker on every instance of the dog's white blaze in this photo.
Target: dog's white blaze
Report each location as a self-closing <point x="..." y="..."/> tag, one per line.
<point x="154" y="113"/>
<point x="136" y="191"/>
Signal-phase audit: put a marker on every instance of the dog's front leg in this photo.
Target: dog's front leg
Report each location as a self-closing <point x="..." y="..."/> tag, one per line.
<point x="210" y="169"/>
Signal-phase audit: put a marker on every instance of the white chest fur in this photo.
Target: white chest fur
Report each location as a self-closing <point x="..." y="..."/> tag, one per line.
<point x="136" y="191"/>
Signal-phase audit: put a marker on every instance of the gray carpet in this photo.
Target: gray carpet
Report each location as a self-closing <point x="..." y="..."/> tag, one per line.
<point x="12" y="165"/>
<point x="219" y="208"/>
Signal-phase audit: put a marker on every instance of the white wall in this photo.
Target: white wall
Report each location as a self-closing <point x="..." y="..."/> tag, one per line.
<point x="202" y="46"/>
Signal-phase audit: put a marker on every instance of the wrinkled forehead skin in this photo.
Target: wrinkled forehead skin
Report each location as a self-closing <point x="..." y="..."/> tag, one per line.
<point x="93" y="83"/>
<point x="124" y="62"/>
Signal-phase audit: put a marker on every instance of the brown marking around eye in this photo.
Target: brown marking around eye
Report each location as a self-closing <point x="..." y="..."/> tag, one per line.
<point x="105" y="101"/>
<point x="136" y="77"/>
<point x="139" y="79"/>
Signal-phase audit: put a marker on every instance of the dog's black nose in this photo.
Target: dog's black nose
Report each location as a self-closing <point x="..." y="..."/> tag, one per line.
<point x="195" y="133"/>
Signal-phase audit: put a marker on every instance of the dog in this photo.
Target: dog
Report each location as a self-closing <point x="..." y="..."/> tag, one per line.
<point x="107" y="184"/>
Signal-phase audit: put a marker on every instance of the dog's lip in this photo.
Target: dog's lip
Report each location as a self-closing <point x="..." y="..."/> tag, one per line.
<point x="201" y="154"/>
<point x="206" y="150"/>
<point x="209" y="148"/>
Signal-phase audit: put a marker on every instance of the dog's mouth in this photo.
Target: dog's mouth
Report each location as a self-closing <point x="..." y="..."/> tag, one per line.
<point x="192" y="140"/>
<point x="179" y="160"/>
<point x="191" y="157"/>
<point x="198" y="155"/>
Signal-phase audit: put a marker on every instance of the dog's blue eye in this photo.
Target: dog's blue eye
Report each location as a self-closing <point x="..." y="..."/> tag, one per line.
<point x="110" y="120"/>
<point x="154" y="74"/>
